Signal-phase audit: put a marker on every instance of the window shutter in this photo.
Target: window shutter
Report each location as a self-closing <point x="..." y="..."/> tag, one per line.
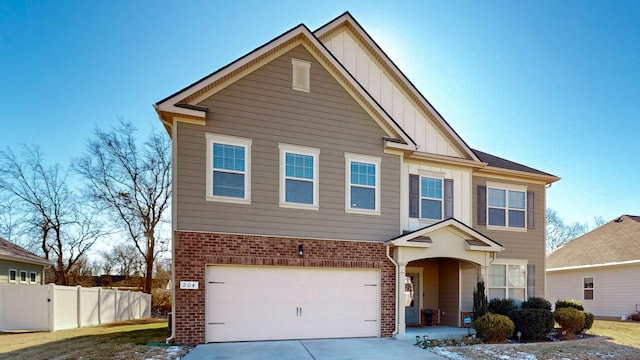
<point x="530" y="210"/>
<point x="482" y="205"/>
<point x="414" y="196"/>
<point x="448" y="198"/>
<point x="531" y="280"/>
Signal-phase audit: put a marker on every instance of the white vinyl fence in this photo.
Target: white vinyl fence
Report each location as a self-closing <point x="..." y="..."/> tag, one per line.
<point x="54" y="307"/>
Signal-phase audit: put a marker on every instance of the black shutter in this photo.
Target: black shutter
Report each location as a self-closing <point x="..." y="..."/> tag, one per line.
<point x="448" y="198"/>
<point x="414" y="196"/>
<point x="530" y="210"/>
<point x="482" y="205"/>
<point x="531" y="280"/>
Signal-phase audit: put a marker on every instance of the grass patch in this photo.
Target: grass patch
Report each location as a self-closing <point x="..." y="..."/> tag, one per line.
<point x="126" y="340"/>
<point x="619" y="332"/>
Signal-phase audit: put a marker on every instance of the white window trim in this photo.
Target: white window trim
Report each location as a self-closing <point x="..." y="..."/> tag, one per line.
<point x="436" y="176"/>
<point x="35" y="278"/>
<point x="26" y="278"/>
<point x="228" y="140"/>
<point x="349" y="157"/>
<point x="593" y="288"/>
<point x="298" y="84"/>
<point x="302" y="150"/>
<point x="506" y="287"/>
<point x="9" y="276"/>
<point x="507" y="187"/>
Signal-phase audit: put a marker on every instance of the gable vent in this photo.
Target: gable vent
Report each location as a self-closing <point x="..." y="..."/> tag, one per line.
<point x="301" y="78"/>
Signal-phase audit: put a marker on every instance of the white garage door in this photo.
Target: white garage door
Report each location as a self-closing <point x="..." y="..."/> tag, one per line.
<point x="246" y="303"/>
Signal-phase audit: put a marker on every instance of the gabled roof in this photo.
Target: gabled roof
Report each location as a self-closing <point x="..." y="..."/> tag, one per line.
<point x="614" y="243"/>
<point x="403" y="81"/>
<point x="11" y="251"/>
<point x="420" y="238"/>
<point x="184" y="103"/>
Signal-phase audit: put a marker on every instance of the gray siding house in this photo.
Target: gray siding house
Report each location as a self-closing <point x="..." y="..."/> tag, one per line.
<point x="318" y="194"/>
<point x="19" y="266"/>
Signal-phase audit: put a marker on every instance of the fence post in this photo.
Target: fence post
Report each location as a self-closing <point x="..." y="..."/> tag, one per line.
<point x="99" y="306"/>
<point x="117" y="300"/>
<point x="51" y="299"/>
<point x="79" y="305"/>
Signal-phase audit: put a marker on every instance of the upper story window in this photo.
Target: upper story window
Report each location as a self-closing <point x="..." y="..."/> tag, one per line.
<point x="362" y="184"/>
<point x="229" y="168"/>
<point x="587" y="285"/>
<point x="13" y="275"/>
<point x="507" y="281"/>
<point x="430" y="198"/>
<point x="298" y="176"/>
<point x="301" y="79"/>
<point x="506" y="206"/>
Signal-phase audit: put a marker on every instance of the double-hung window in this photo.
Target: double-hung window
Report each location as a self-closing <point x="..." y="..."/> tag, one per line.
<point x="507" y="207"/>
<point x="298" y="177"/>
<point x="23" y="276"/>
<point x="13" y="275"/>
<point x="430" y="198"/>
<point x="587" y="285"/>
<point x="507" y="281"/>
<point x="362" y="184"/>
<point x="228" y="169"/>
<point x="32" y="277"/>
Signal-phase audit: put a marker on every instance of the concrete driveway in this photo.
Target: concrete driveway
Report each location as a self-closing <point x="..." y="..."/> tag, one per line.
<point x="354" y="349"/>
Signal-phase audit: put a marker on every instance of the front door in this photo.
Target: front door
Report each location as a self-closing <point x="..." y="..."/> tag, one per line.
<point x="411" y="300"/>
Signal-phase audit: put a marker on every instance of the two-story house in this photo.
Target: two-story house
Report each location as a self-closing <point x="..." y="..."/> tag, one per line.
<point x="318" y="194"/>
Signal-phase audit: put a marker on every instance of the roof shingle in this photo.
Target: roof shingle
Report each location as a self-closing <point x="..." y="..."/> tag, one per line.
<point x="11" y="251"/>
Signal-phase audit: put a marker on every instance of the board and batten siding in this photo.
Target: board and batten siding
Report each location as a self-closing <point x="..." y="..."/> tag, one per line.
<point x="529" y="244"/>
<point x="263" y="107"/>
<point x="616" y="289"/>
<point x="389" y="95"/>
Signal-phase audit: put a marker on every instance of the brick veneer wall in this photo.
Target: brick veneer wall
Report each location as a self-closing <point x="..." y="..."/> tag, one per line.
<point x="194" y="250"/>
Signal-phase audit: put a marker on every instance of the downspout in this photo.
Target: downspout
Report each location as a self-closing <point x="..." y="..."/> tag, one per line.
<point x="174" y="213"/>
<point x="395" y="331"/>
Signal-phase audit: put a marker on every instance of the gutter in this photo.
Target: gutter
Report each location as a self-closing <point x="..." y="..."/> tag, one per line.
<point x="395" y="331"/>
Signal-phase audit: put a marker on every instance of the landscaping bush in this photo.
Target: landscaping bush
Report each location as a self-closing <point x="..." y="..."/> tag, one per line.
<point x="479" y="300"/>
<point x="534" y="324"/>
<point x="569" y="303"/>
<point x="493" y="327"/>
<point x="588" y="321"/>
<point x="635" y="317"/>
<point x="502" y="306"/>
<point x="570" y="319"/>
<point x="537" y="303"/>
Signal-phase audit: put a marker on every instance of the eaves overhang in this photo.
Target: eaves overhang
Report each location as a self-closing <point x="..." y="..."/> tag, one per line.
<point x="593" y="266"/>
<point x="501" y="172"/>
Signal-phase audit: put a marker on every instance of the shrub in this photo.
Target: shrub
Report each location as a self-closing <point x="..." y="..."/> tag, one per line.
<point x="502" y="306"/>
<point x="635" y="317"/>
<point x="479" y="301"/>
<point x="588" y="321"/>
<point x="569" y="303"/>
<point x="537" y="303"/>
<point x="534" y="324"/>
<point x="160" y="302"/>
<point x="494" y="327"/>
<point x="570" y="319"/>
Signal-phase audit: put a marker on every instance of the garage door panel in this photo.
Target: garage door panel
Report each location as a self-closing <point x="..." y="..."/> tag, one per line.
<point x="247" y="303"/>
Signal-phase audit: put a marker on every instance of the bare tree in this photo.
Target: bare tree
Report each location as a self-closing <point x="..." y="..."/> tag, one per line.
<point x="559" y="233"/>
<point x="133" y="182"/>
<point x="125" y="260"/>
<point x="47" y="209"/>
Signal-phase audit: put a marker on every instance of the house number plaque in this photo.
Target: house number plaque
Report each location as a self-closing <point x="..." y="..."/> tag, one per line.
<point x="188" y="284"/>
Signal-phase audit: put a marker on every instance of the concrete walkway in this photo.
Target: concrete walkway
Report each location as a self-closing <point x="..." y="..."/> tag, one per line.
<point x="324" y="349"/>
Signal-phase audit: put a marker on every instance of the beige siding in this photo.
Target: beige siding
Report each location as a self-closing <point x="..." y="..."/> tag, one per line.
<point x="616" y="289"/>
<point x="529" y="244"/>
<point x="5" y="265"/>
<point x="263" y="107"/>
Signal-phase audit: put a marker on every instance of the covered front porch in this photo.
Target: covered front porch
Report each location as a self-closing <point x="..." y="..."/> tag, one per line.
<point x="438" y="268"/>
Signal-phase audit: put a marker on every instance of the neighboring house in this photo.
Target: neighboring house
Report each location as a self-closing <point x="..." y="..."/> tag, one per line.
<point x="19" y="266"/>
<point x="318" y="194"/>
<point x="600" y="268"/>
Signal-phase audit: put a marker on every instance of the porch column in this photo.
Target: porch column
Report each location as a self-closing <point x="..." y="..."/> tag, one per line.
<point x="402" y="273"/>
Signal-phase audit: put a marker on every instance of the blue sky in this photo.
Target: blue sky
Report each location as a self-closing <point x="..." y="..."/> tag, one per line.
<point x="550" y="84"/>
